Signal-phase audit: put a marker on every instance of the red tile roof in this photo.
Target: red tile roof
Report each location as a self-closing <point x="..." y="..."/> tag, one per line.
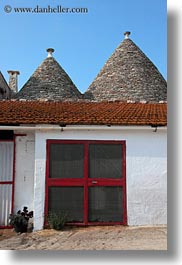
<point x="82" y="113"/>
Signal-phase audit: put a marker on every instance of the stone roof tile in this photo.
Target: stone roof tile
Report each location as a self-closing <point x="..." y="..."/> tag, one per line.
<point x="128" y="75"/>
<point x="49" y="81"/>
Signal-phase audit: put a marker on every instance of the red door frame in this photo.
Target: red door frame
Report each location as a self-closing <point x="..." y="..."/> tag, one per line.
<point x="13" y="178"/>
<point x="85" y="182"/>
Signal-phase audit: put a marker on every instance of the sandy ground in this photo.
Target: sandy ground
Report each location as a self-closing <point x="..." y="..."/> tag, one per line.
<point x="89" y="238"/>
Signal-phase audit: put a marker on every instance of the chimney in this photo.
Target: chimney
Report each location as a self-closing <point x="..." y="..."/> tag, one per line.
<point x="127" y="34"/>
<point x="13" y="80"/>
<point x="50" y="52"/>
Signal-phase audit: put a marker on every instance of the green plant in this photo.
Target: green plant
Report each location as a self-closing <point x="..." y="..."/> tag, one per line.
<point x="20" y="220"/>
<point x="57" y="220"/>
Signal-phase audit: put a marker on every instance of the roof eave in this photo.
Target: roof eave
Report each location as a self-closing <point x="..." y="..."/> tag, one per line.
<point x="42" y="127"/>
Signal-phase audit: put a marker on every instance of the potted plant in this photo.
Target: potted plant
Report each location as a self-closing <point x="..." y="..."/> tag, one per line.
<point x="20" y="220"/>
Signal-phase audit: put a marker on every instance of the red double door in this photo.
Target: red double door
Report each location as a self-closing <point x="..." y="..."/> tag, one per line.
<point x="87" y="181"/>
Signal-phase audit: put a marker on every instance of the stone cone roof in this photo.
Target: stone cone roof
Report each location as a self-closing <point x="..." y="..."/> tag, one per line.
<point x="5" y="91"/>
<point x="128" y="75"/>
<point x="49" y="82"/>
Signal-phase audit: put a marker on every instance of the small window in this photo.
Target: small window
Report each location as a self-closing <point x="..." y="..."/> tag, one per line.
<point x="6" y="135"/>
<point x="6" y="161"/>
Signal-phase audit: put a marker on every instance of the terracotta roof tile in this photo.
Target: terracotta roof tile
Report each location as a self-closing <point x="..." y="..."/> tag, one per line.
<point x="83" y="113"/>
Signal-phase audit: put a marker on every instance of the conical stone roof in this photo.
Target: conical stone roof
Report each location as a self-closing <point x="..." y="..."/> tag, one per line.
<point x="49" y="82"/>
<point x="128" y="75"/>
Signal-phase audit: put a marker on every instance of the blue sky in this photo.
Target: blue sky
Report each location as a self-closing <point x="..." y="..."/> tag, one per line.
<point x="82" y="42"/>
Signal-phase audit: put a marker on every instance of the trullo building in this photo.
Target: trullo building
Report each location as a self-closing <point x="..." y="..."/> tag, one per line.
<point x="100" y="157"/>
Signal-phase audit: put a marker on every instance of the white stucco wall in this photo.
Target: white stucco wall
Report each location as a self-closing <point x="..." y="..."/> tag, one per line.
<point x="24" y="172"/>
<point x="146" y="170"/>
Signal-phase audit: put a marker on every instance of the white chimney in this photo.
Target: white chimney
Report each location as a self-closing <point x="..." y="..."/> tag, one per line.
<point x="127" y="34"/>
<point x="50" y="52"/>
<point x="13" y="80"/>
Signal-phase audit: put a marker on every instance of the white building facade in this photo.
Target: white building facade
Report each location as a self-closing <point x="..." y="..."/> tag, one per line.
<point x="146" y="168"/>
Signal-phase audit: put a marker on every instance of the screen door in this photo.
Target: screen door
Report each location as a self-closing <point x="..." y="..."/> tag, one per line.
<point x="87" y="180"/>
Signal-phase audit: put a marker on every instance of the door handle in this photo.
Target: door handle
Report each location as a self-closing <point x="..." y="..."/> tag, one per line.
<point x="94" y="182"/>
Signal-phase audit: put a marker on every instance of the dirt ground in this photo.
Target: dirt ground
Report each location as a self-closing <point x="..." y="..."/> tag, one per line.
<point x="88" y="238"/>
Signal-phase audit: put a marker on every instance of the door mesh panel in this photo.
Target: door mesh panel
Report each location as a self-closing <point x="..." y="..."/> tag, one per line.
<point x="68" y="200"/>
<point x="105" y="161"/>
<point x="66" y="161"/>
<point x="105" y="204"/>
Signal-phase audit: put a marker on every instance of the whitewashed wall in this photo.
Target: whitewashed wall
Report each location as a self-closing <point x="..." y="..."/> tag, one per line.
<point x="24" y="171"/>
<point x="146" y="178"/>
<point x="146" y="171"/>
